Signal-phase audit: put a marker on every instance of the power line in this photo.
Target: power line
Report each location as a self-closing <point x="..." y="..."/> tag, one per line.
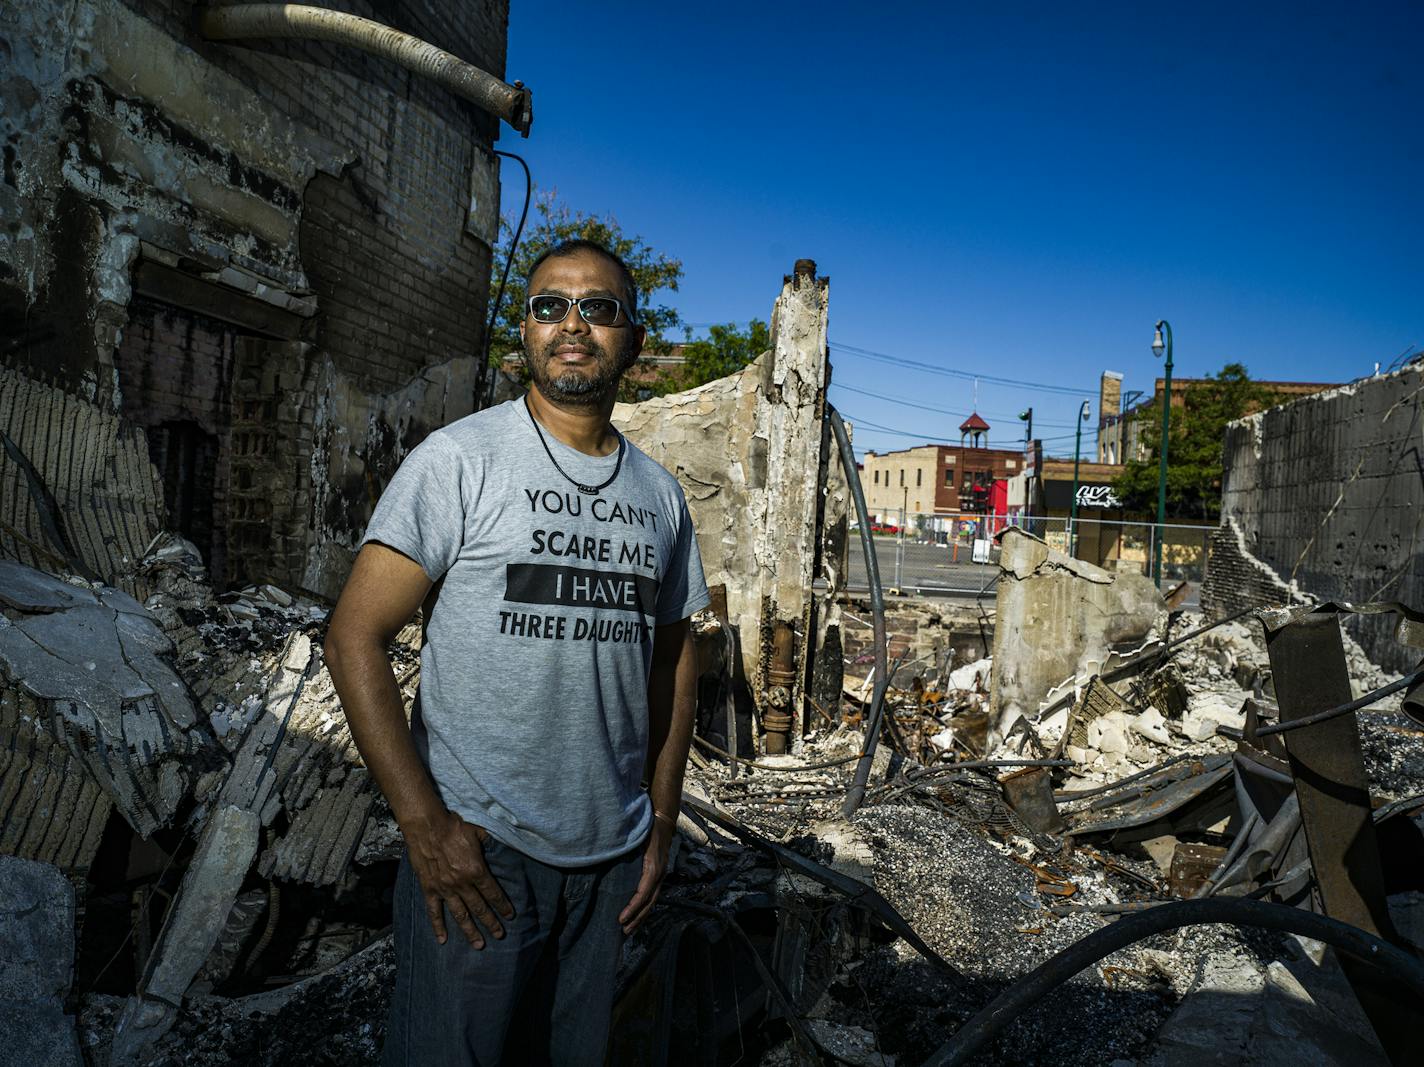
<point x="913" y="364"/>
<point x="876" y="427"/>
<point x="926" y="407"/>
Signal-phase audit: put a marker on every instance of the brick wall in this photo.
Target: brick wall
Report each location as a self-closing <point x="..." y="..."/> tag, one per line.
<point x="400" y="282"/>
<point x="1328" y="491"/>
<point x="176" y="374"/>
<point x="1237" y="580"/>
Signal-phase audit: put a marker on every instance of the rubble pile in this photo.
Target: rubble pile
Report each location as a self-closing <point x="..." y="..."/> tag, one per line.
<point x="1146" y="810"/>
<point x="250" y="921"/>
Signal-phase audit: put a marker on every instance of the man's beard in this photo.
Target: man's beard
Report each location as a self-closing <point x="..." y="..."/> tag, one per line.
<point x="572" y="385"/>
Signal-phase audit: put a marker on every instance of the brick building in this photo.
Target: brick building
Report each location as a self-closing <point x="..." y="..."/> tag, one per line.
<point x="937" y="479"/>
<point x="1120" y="429"/>
<point x="271" y="255"/>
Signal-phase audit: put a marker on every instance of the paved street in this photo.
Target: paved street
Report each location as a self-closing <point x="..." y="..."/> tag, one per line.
<point x="926" y="569"/>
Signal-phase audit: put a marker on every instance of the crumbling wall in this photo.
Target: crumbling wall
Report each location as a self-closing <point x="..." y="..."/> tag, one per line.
<point x="770" y="508"/>
<point x="255" y="196"/>
<point x="1236" y="580"/>
<point x="1327" y="491"/>
<point x="1058" y="619"/>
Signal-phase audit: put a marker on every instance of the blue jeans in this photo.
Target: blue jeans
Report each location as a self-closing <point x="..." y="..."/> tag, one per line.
<point x="543" y="994"/>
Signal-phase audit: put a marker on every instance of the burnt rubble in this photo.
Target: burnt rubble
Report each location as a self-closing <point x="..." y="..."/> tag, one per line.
<point x="989" y="857"/>
<point x="1071" y="824"/>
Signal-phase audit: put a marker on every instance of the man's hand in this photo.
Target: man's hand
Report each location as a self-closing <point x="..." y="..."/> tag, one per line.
<point x="448" y="857"/>
<point x="655" y="858"/>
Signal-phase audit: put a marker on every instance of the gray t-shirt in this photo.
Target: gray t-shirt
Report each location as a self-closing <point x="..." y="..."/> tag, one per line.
<point x="533" y="707"/>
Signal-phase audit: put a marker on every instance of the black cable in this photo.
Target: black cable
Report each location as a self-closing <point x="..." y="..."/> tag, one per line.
<point x="991" y="1020"/>
<point x="1066" y="795"/>
<point x="484" y="394"/>
<point x="1343" y="709"/>
<point x="954" y="373"/>
<point x="856" y="793"/>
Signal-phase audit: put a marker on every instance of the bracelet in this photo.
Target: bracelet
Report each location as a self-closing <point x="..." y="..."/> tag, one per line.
<point x="665" y="817"/>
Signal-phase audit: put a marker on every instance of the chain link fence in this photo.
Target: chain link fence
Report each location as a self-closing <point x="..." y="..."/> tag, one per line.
<point x="957" y="555"/>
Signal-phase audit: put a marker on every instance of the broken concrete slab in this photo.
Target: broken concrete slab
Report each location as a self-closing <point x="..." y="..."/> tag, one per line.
<point x="201" y="907"/>
<point x="1058" y="618"/>
<point x="36" y="966"/>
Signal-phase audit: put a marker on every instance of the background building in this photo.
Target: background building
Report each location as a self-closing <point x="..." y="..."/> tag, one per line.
<point x="940" y="480"/>
<point x="1120" y="428"/>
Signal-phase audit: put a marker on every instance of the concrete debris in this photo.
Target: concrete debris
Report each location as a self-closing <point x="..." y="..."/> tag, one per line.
<point x="1059" y="618"/>
<point x="37" y="947"/>
<point x="989" y="881"/>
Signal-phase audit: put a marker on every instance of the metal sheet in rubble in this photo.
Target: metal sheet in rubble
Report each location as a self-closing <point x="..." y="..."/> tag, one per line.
<point x="1159" y="796"/>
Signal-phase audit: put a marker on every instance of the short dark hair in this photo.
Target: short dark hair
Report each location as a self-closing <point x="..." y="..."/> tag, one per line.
<point x="573" y="247"/>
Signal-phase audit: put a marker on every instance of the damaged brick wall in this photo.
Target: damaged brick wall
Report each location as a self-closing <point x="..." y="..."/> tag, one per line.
<point x="1236" y="579"/>
<point x="1327" y="492"/>
<point x="293" y="191"/>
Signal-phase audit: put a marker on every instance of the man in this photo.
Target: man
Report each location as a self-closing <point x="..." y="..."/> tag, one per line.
<point x="557" y="568"/>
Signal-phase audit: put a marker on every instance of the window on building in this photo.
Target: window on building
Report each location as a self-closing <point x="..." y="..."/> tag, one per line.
<point x="917" y="506"/>
<point x="1012" y="464"/>
<point x="949" y="479"/>
<point x="876" y="477"/>
<point x="919" y="479"/>
<point x="902" y="475"/>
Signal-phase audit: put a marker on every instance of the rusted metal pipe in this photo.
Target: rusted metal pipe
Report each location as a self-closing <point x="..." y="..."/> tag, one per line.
<point x="512" y="103"/>
<point x="781" y="681"/>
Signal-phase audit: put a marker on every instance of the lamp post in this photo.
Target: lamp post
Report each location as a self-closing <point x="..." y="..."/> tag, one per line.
<point x="1158" y="346"/>
<point x="1073" y="510"/>
<point x="1026" y="416"/>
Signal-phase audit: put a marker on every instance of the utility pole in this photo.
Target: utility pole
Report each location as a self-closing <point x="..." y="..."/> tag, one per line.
<point x="1157" y="348"/>
<point x="1073" y="509"/>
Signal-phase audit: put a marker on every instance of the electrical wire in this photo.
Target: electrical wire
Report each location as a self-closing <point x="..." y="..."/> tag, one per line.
<point x="484" y="394"/>
<point x="926" y="407"/>
<point x="989" y="379"/>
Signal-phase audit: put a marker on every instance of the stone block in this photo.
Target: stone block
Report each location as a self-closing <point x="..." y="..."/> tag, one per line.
<point x="36" y="966"/>
<point x="1057" y="619"/>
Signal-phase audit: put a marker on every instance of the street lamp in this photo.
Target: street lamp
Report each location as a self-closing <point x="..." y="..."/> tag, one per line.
<point x="1073" y="512"/>
<point x="1158" y="346"/>
<point x="1026" y="416"/>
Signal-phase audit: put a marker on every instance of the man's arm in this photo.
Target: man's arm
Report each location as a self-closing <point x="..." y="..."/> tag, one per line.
<point x="672" y="705"/>
<point x="380" y="597"/>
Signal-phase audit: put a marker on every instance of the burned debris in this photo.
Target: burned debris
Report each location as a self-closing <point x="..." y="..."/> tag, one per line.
<point x="1067" y="821"/>
<point x="1070" y="801"/>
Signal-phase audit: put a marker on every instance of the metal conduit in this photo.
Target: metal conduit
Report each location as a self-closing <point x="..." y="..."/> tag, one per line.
<point x="877" y="608"/>
<point x="970" y="1039"/>
<point x="512" y="103"/>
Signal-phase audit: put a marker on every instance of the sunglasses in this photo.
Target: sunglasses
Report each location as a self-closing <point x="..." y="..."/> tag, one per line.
<point x="594" y="310"/>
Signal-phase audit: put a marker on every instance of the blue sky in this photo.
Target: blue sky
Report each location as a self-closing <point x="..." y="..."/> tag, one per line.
<point x="1019" y="193"/>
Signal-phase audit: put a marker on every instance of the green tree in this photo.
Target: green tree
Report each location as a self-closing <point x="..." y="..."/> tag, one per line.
<point x="554" y="223"/>
<point x="726" y="349"/>
<point x="1194" y="458"/>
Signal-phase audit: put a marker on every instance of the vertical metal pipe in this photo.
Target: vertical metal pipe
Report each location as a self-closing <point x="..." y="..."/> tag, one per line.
<point x="781" y="678"/>
<point x="877" y="607"/>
